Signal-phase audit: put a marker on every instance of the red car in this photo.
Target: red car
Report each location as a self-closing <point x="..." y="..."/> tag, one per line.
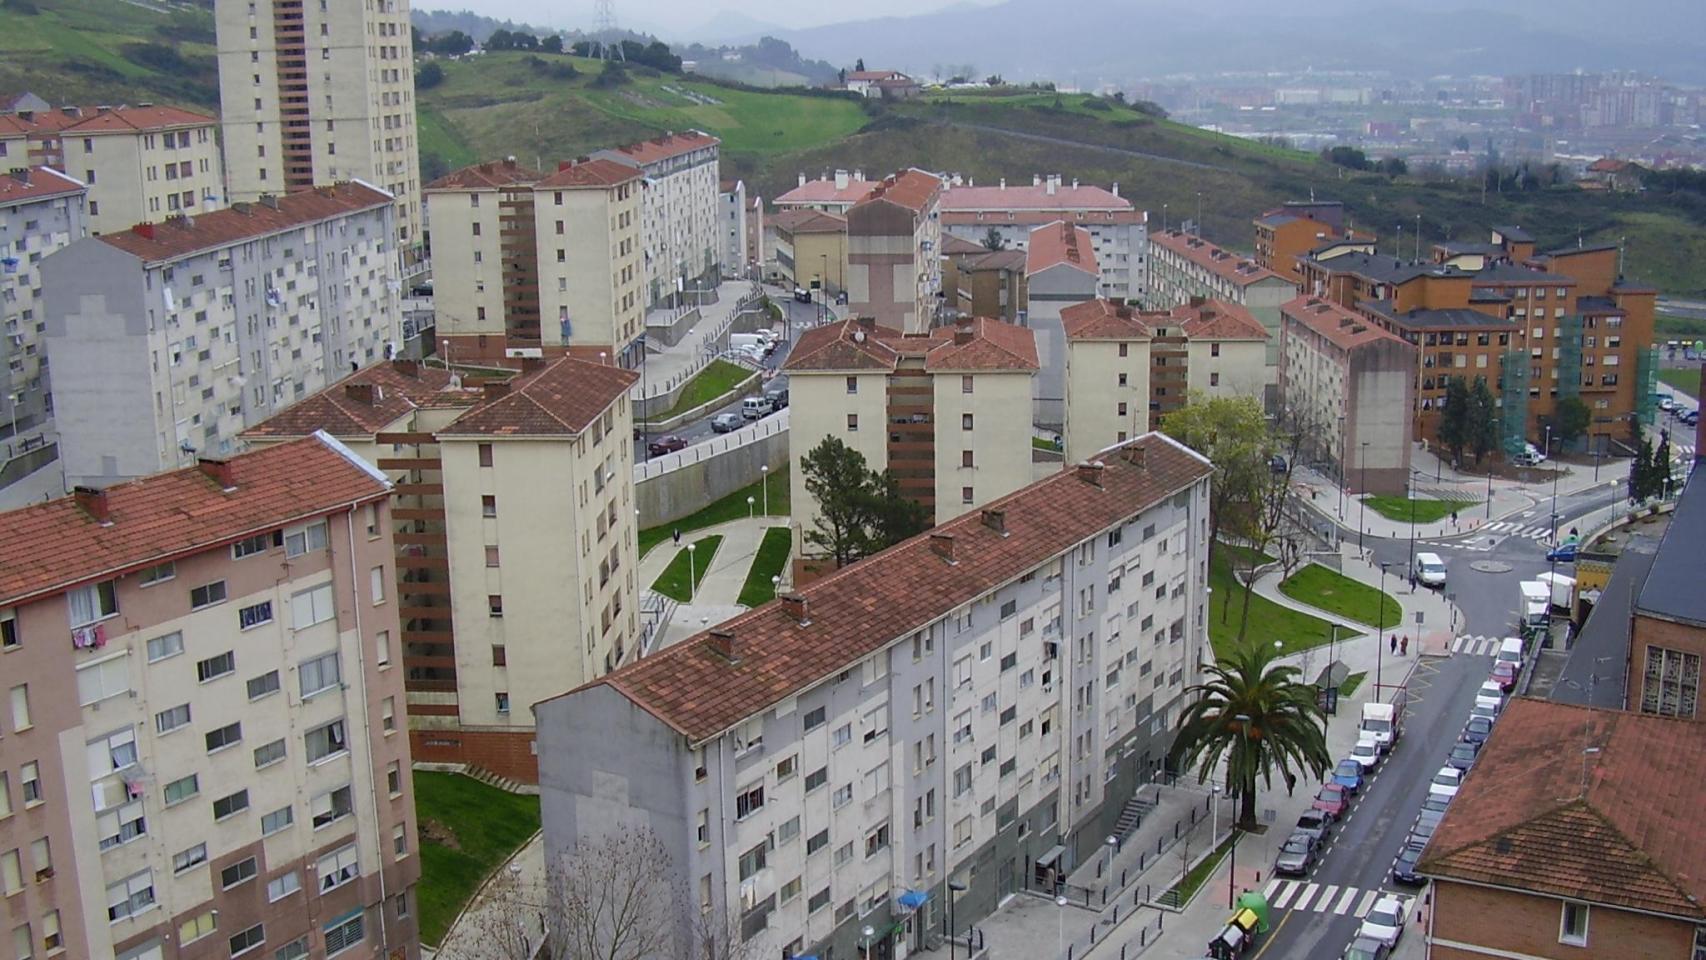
<point x="1504" y="673"/>
<point x="663" y="445"/>
<point x="1331" y="801"/>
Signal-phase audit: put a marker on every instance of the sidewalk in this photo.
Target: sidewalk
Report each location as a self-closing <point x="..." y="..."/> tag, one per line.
<point x="1433" y="633"/>
<point x="719" y="589"/>
<point x="506" y="900"/>
<point x="669" y="364"/>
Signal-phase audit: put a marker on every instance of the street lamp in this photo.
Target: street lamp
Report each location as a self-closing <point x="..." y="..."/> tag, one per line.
<point x="692" y="573"/>
<point x="1362" y="521"/>
<point x="954" y="887"/>
<point x="764" y="482"/>
<point x="1113" y="844"/>
<point x="749" y="504"/>
<point x="867" y="933"/>
<point x="1341" y="459"/>
<point x="1380" y="617"/>
<point x="1060" y="930"/>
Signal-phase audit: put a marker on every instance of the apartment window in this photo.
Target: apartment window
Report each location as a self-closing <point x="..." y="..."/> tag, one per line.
<point x="116" y="827"/>
<point x="965" y="421"/>
<point x="343" y="934"/>
<point x="11" y="873"/>
<point x="207" y="595"/>
<point x="382" y="648"/>
<point x="1123" y="350"/>
<point x="488" y="506"/>
<point x="97" y="601"/>
<point x="400" y="841"/>
<point x="852" y="423"/>
<point x="842" y="795"/>
<point x="749" y="801"/>
<point x="249" y="546"/>
<point x="852" y="384"/>
<point x="485" y="450"/>
<point x="965" y="383"/>
<point x="264" y="685"/>
<point x="842" y="736"/>
<point x="331" y="806"/>
<point x="197" y="927"/>
<point x="491" y="556"/>
<point x="170" y="645"/>
<point x="966" y="495"/>
<point x="337" y="868"/>
<point x="240" y="872"/>
<point x="814" y="718"/>
<point x="130" y="896"/>
<point x="172" y="718"/>
<point x="305" y="539"/>
<point x="1573" y="924"/>
<point x="965" y="458"/>
<point x="29" y="782"/>
<point x="373" y="520"/>
<point x="1214" y="379"/>
<point x="103" y="679"/>
<point x="277" y="820"/>
<point x="376" y="584"/>
<point x="182" y="789"/>
<point x="388" y="713"/>
<point x="325" y="741"/>
<point x="495" y="605"/>
<point x="501" y="699"/>
<point x="186" y="859"/>
<point x="159" y="573"/>
<point x="254" y="615"/>
<point x="280" y="887"/>
<point x="318" y="673"/>
<point x="223" y="737"/>
<point x="249" y="939"/>
<point x="876" y="841"/>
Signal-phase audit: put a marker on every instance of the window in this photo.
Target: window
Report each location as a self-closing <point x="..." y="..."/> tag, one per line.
<point x="485" y="450"/>
<point x="280" y="887"/>
<point x="338" y="868"/>
<point x="382" y="648"/>
<point x="343" y="934"/>
<point x="158" y="573"/>
<point x="182" y="789"/>
<point x="215" y="667"/>
<point x="248" y="940"/>
<point x="787" y="768"/>
<point x="814" y="718"/>
<point x="263" y="685"/>
<point x="373" y="520"/>
<point x="318" y="673"/>
<point x="388" y="713"/>
<point x="394" y="778"/>
<point x="852" y="384"/>
<point x="172" y="718"/>
<point x="160" y="648"/>
<point x="843" y="794"/>
<point x="842" y="736"/>
<point x="488" y="506"/>
<point x="817" y="778"/>
<point x="130" y="896"/>
<point x="753" y="860"/>
<point x="331" y="806"/>
<point x="230" y="805"/>
<point x="225" y="736"/>
<point x="268" y="754"/>
<point x="818" y="901"/>
<point x="240" y="872"/>
<point x="254" y="615"/>
<point x="186" y="859"/>
<point x="852" y="423"/>
<point x="400" y="840"/>
<point x="307" y="538"/>
<point x="312" y="606"/>
<point x="876" y="722"/>
<point x="29" y="782"/>
<point x="749" y="801"/>
<point x="325" y="741"/>
<point x="97" y="601"/>
<point x="1573" y="925"/>
<point x="119" y="826"/>
<point x="207" y="594"/>
<point x="965" y="421"/>
<point x="197" y="927"/>
<point x="103" y="679"/>
<point x="495" y="605"/>
<point x="249" y="546"/>
<point x="277" y="820"/>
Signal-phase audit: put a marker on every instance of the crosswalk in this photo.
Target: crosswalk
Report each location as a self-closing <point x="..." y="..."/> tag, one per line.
<point x="1476" y="645"/>
<point x="1511" y="528"/>
<point x="1324" y="897"/>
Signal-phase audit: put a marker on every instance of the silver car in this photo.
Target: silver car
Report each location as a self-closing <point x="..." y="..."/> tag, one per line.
<point x="1297" y="856"/>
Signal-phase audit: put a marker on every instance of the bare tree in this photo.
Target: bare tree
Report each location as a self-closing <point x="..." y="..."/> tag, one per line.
<point x="717" y="936"/>
<point x="612" y="899"/>
<point x="507" y="922"/>
<point x="1292" y="431"/>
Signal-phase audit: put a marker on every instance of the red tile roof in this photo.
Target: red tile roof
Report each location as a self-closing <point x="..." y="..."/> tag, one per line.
<point x="1217" y="320"/>
<point x="397" y="389"/>
<point x="825" y="191"/>
<point x="1619" y="827"/>
<point x="490" y="175"/>
<point x="864" y="607"/>
<point x="136" y="120"/>
<point x="664" y="147"/>
<point x="597" y="172"/>
<point x="38" y="123"/>
<point x="982" y="344"/>
<point x="871" y="76"/>
<point x="958" y="246"/>
<point x="793" y="222"/>
<point x="1065" y="198"/>
<point x="562" y="399"/>
<point x="913" y="189"/>
<point x="55" y="545"/>
<point x="1346" y="328"/>
<point x="1033" y="218"/>
<point x="993" y="260"/>
<point x="1061" y="243"/>
<point x="1237" y="268"/>
<point x="186" y="235"/>
<point x="978" y="344"/>
<point x="847" y="345"/>
<point x="42" y="183"/>
<point x="1101" y="319"/>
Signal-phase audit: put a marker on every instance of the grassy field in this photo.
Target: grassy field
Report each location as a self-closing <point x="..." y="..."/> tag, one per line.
<point x="1352" y="682"/>
<point x="1336" y="593"/>
<point x="731" y="507"/>
<point x="718" y="378"/>
<point x="467" y="829"/>
<point x="86" y="51"/>
<point x="1425" y="511"/>
<point x="1669" y="326"/>
<point x="1682" y="379"/>
<point x="673" y="582"/>
<point x="772" y="556"/>
<point x="1269" y="621"/>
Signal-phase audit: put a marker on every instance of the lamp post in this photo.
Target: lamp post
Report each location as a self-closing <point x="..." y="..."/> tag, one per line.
<point x="1380" y="617"/>
<point x="1232" y="872"/>
<point x="764" y="484"/>
<point x="1112" y="843"/>
<point x="1060" y="929"/>
<point x="865" y="940"/>
<point x="750" y="501"/>
<point x="954" y="887"/>
<point x="1214" y="813"/>
<point x="1341" y="459"/>
<point x="692" y="573"/>
<point x="823" y="290"/>
<point x="1363" y="520"/>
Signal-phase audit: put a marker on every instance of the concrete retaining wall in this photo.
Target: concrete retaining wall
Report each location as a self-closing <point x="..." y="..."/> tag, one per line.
<point x="673" y="486"/>
<point x="741" y="389"/>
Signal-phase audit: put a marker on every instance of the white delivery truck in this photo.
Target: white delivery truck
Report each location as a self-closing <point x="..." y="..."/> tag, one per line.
<point x="1380" y="724"/>
<point x="739" y="341"/>
<point x="1562" y="589"/>
<point x="1536" y="598"/>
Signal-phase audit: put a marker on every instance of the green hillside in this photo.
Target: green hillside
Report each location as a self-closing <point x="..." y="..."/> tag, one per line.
<point x="109" y="51"/>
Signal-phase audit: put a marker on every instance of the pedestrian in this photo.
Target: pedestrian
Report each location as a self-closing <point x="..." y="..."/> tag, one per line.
<point x="1394" y="644"/>
<point x="1404" y="646"/>
<point x="678" y="536"/>
<point x="1290" y="782"/>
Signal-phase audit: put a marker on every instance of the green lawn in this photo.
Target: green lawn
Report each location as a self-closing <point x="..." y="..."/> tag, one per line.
<point x="1336" y="593"/>
<point x="1182" y="892"/>
<point x="731" y="507"/>
<point x="466" y="830"/>
<point x="718" y="378"/>
<point x="672" y="582"/>
<point x="1426" y="511"/>
<point x="1042" y="443"/>
<point x="1682" y="379"/>
<point x="771" y="557"/>
<point x="1269" y="621"/>
<point x="1352" y="682"/>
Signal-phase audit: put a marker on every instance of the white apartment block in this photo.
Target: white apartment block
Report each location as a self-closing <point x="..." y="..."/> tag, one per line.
<point x="1119" y="233"/>
<point x="680" y="227"/>
<point x="200" y="752"/>
<point x="1020" y="678"/>
<point x="316" y="92"/>
<point x="169" y="339"/>
<point x="732" y="212"/>
<point x="41" y="211"/>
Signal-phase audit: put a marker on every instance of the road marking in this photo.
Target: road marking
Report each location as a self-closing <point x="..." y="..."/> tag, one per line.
<point x="1327" y="897"/>
<point x="1367" y="903"/>
<point x="1272" y="937"/>
<point x="1345" y="901"/>
<point x="1306" y="896"/>
<point x="1268" y="891"/>
<point x="1285" y="896"/>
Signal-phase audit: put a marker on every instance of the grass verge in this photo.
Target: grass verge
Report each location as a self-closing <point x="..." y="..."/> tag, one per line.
<point x="1040" y="443"/>
<point x="691" y="561"/>
<point x="1682" y="380"/>
<point x="768" y="562"/>
<point x="718" y="378"/>
<point x="1426" y="511"/>
<point x="1352" y="682"/>
<point x="731" y="507"/>
<point x="1336" y="593"/>
<point x="1269" y="621"/>
<point x="1182" y="892"/>
<point x="467" y="829"/>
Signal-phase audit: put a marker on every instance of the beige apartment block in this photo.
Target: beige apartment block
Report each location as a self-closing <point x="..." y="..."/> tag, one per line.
<point x="680" y="229"/>
<point x="1107" y="377"/>
<point x="512" y="589"/>
<point x="202" y="740"/>
<point x="536" y="263"/>
<point x="1011" y="211"/>
<point x="948" y="413"/>
<point x="894" y="239"/>
<point x="1226" y="349"/>
<point x="313" y="93"/>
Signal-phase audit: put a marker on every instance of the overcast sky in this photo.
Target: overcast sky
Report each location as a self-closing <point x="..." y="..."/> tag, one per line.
<point x="683" y="16"/>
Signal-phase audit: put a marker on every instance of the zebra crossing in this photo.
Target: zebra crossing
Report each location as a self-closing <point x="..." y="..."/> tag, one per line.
<point x="1476" y="645"/>
<point x="1511" y="528"/>
<point x="1325" y="897"/>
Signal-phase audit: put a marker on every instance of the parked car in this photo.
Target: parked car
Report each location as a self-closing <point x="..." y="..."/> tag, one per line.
<point x="778" y="398"/>
<point x="1385" y="921"/>
<point x="1436" y="803"/>
<point x="841" y="298"/>
<point x="1486" y="711"/>
<point x="1563" y="553"/>
<point x="1666" y="403"/>
<point x="1462" y="755"/>
<point x="1366" y="948"/>
<point x="668" y="444"/>
<point x="1504" y="674"/>
<point x="1491" y="694"/>
<point x="725" y="422"/>
<point x="755" y="408"/>
<point x="1296" y="856"/>
<point x="1316" y="824"/>
<point x="1477" y="730"/>
<point x="1421" y="832"/>
<point x="1430" y="817"/>
<point x="1331" y="800"/>
<point x="1510" y="651"/>
<point x="802" y="295"/>
<point x="1446" y="782"/>
<point x="1348" y="774"/>
<point x="1367" y="753"/>
<point x="1404" y="868"/>
<point x="1691" y="418"/>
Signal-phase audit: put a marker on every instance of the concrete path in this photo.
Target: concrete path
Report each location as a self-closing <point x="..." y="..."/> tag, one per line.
<point x="719" y="589"/>
<point x="667" y="364"/>
<point x="1434" y="631"/>
<point x="505" y="901"/>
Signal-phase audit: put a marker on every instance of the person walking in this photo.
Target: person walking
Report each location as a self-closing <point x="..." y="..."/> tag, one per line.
<point x="1404" y="645"/>
<point x="1394" y="639"/>
<point x="678" y="536"/>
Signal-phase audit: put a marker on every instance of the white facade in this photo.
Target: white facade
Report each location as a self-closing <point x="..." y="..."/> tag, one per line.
<point x="679" y="219"/>
<point x="1119" y="233"/>
<point x="732" y="214"/>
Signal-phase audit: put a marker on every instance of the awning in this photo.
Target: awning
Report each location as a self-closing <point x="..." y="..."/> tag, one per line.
<point x="913" y="899"/>
<point x="1053" y="854"/>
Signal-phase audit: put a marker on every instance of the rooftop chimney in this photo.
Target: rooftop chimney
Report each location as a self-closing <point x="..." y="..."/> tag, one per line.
<point x="1003" y="183"/>
<point x="1090" y="471"/>
<point x="143" y="230"/>
<point x="219" y="471"/>
<point x="496" y="388"/>
<point x="942" y="544"/>
<point x="1116" y="190"/>
<point x="359" y="392"/>
<point x="962" y="336"/>
<point x="408" y="368"/>
<point x="1053" y="184"/>
<point x="841" y="180"/>
<point x="795" y="606"/>
<point x="532" y="364"/>
<point x="1198" y="301"/>
<point x="93" y="501"/>
<point x="723" y="644"/>
<point x="22" y="175"/>
<point x="996" y="520"/>
<point x="802" y="179"/>
<point x="1137" y="456"/>
<point x="858" y="174"/>
<point x="1036" y="180"/>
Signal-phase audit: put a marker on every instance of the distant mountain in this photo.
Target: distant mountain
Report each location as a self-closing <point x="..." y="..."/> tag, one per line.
<point x="1117" y="40"/>
<point x="729" y="27"/>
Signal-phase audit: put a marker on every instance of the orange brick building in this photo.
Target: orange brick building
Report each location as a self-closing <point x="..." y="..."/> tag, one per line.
<point x="1294" y="229"/>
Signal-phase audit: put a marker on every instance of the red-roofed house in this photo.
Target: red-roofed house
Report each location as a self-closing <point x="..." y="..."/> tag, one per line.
<point x="884" y="84"/>
<point x="680" y="230"/>
<point x="894" y="269"/>
<point x="830" y="195"/>
<point x="949" y="412"/>
<point x="194" y="661"/>
<point x="1118" y="233"/>
<point x="1298" y="227"/>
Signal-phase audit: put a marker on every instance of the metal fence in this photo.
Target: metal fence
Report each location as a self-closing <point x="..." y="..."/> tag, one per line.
<point x="658" y="466"/>
<point x="708" y="349"/>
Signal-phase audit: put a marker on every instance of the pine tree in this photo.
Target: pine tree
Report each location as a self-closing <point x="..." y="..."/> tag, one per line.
<point x="1640" y="471"/>
<point x="1454" y="429"/>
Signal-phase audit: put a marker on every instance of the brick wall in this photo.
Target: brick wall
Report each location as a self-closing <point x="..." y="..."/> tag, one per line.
<point x="505" y="753"/>
<point x="1525" y="925"/>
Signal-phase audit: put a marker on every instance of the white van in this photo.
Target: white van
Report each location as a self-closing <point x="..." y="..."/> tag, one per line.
<point x="755" y="408"/>
<point x="740" y="341"/>
<point x="1510" y="651"/>
<point x="1430" y="570"/>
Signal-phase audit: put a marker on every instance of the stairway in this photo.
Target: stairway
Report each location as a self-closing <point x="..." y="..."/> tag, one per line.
<point x="1132" y="816"/>
<point x="491" y="779"/>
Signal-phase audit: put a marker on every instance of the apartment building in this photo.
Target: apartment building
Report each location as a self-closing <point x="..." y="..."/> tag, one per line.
<point x="1351" y="385"/>
<point x="140" y="163"/>
<point x="1182" y="266"/>
<point x="983" y="282"/>
<point x="983" y="725"/>
<point x="313" y="94"/>
<point x="681" y="232"/>
<point x="1107" y="377"/>
<point x="510" y="590"/>
<point x="1574" y="836"/>
<point x="948" y="412"/>
<point x="1297" y="228"/>
<point x="528" y="263"/>
<point x="810" y="249"/>
<point x="827" y="194"/>
<point x="1119" y="234"/>
<point x="736" y="259"/>
<point x="894" y="239"/>
<point x="201" y="755"/>
<point x="41" y="211"/>
<point x="169" y="339"/>
<point x="1060" y="270"/>
<point x="1225" y="349"/>
<point x="1667" y="628"/>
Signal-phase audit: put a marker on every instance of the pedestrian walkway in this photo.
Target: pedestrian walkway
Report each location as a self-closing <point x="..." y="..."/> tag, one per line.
<point x="717" y="598"/>
<point x="667" y="365"/>
<point x="1478" y="645"/>
<point x="1322" y="898"/>
<point x="1431" y="630"/>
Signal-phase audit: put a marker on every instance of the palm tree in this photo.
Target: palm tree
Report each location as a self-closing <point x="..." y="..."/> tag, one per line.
<point x="1256" y="716"/>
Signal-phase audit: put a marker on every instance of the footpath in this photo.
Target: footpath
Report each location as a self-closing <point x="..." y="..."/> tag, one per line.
<point x="719" y="590"/>
<point x="668" y="365"/>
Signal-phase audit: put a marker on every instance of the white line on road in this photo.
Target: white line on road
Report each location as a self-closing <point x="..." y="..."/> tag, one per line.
<point x="1268" y="891"/>
<point x="1285" y="896"/>
<point x="1345" y="901"/>
<point x="1308" y="894"/>
<point x="1367" y="903"/>
<point x="1327" y="897"/>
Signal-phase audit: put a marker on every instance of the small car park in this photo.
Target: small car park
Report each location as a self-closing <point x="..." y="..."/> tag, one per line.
<point x="666" y="444"/>
<point x="1367" y="753"/>
<point x="1385" y="921"/>
<point x="1331" y="800"/>
<point x="1348" y="774"/>
<point x="1296" y="856"/>
<point x="726" y="422"/>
